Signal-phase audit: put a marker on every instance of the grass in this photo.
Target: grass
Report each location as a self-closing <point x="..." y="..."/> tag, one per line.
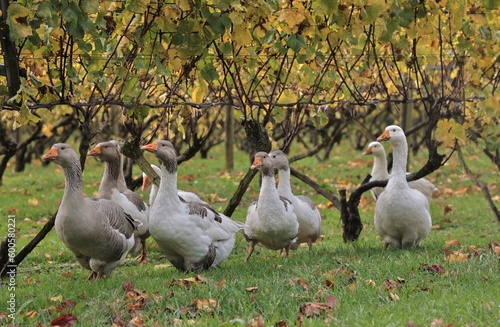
<point x="451" y="279"/>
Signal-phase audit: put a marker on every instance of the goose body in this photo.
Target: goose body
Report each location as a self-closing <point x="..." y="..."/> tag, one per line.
<point x="97" y="231"/>
<point x="271" y="219"/>
<point x="308" y="215"/>
<point x="192" y="235"/>
<point x="114" y="188"/>
<point x="402" y="215"/>
<point x="379" y="172"/>
<point x="146" y="182"/>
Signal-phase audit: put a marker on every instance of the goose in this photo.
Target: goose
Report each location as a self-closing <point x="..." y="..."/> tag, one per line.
<point x="97" y="231"/>
<point x="146" y="182"/>
<point x="192" y="235"/>
<point x="271" y="219"/>
<point x="308" y="215"/>
<point x="379" y="172"/>
<point x="402" y="215"/>
<point x="114" y="188"/>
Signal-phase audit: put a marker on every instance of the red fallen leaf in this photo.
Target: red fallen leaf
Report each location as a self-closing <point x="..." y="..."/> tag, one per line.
<point x="391" y="285"/>
<point x="309" y="309"/>
<point x="435" y="268"/>
<point x="281" y="323"/>
<point x="128" y="286"/>
<point x="302" y="283"/>
<point x="65" y="305"/>
<point x="64" y="320"/>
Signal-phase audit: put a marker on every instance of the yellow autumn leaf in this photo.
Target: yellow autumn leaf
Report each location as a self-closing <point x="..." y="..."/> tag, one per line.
<point x="184" y="5"/>
<point x="291" y="17"/>
<point x="207" y="305"/>
<point x="287" y="96"/>
<point x="198" y="93"/>
<point x="241" y="35"/>
<point x="33" y="202"/>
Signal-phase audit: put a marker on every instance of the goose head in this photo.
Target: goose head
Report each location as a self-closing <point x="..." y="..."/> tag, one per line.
<point x="165" y="152"/>
<point x="106" y="151"/>
<point x="61" y="154"/>
<point x="146" y="181"/>
<point x="394" y="134"/>
<point x="279" y="160"/>
<point x="375" y="148"/>
<point x="263" y="162"/>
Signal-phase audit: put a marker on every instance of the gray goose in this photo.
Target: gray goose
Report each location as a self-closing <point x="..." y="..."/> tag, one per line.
<point x="308" y="215"/>
<point x="379" y="173"/>
<point x="271" y="219"/>
<point x="402" y="215"/>
<point x="97" y="231"/>
<point x="192" y="235"/>
<point x="113" y="187"/>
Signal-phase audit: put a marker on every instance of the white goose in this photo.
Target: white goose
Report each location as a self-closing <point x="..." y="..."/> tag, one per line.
<point x="146" y="182"/>
<point x="379" y="172"/>
<point x="402" y="215"/>
<point x="271" y="219"/>
<point x="192" y="235"/>
<point x="113" y="187"/>
<point x="308" y="215"/>
<point x="97" y="231"/>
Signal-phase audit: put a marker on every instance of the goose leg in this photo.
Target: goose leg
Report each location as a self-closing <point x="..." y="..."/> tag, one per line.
<point x="250" y="251"/>
<point x="142" y="258"/>
<point x="93" y="276"/>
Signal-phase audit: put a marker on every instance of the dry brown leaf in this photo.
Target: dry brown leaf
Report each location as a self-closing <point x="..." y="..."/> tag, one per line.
<point x="452" y="243"/>
<point x="391" y="285"/>
<point x="204" y="304"/>
<point x="281" y="323"/>
<point x="136" y="321"/>
<point x="309" y="309"/>
<point x="435" y="268"/>
<point x="448" y="210"/>
<point x="128" y="286"/>
<point x="56" y="298"/>
<point x="251" y="289"/>
<point x="301" y="282"/>
<point x="259" y="322"/>
<point x="64" y="320"/>
<point x="31" y="314"/>
<point x="67" y="274"/>
<point x="457" y="257"/>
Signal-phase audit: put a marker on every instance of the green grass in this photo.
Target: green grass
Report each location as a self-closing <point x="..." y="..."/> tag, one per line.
<point x="269" y="288"/>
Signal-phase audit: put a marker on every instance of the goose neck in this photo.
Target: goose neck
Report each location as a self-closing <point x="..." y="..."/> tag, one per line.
<point x="168" y="185"/>
<point x="73" y="180"/>
<point x="284" y="187"/>
<point x="400" y="151"/>
<point x="379" y="165"/>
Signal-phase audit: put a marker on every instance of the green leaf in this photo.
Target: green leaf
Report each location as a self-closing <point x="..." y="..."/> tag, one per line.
<point x="296" y="42"/>
<point x="325" y="7"/>
<point x="209" y="73"/>
<point x="89" y="6"/>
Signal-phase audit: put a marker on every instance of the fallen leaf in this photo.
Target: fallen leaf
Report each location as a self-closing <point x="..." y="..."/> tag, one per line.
<point x="57" y="298"/>
<point x="67" y="274"/>
<point x="128" y="286"/>
<point x="281" y="323"/>
<point x="207" y="305"/>
<point x="136" y="321"/>
<point x="452" y="243"/>
<point x="457" y="257"/>
<point x="448" y="210"/>
<point x="64" y="320"/>
<point x="251" y="289"/>
<point x="259" y="322"/>
<point x="33" y="202"/>
<point x="31" y="314"/>
<point x="391" y="285"/>
<point x="309" y="309"/>
<point x="301" y="282"/>
<point x="435" y="268"/>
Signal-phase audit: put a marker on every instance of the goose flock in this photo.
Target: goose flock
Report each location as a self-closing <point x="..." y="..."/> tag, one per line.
<point x="101" y="231"/>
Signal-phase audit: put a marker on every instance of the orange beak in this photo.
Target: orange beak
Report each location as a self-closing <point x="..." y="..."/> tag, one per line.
<point x="257" y="162"/>
<point x="151" y="147"/>
<point x="384" y="136"/>
<point x="146" y="181"/>
<point x="51" y="155"/>
<point x="95" y="151"/>
<point x="368" y="151"/>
